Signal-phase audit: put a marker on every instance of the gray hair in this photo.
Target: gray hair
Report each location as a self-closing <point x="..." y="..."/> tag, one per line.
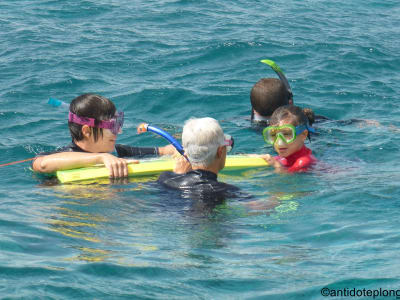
<point x="201" y="139"/>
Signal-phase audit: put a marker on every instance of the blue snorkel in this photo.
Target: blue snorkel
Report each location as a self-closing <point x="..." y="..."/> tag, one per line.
<point x="58" y="103"/>
<point x="144" y="127"/>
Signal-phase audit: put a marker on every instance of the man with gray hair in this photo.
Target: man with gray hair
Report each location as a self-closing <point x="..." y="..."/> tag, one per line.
<point x="205" y="148"/>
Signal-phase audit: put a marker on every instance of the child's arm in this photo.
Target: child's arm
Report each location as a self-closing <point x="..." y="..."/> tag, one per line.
<point x="70" y="160"/>
<point x="279" y="168"/>
<point x="301" y="164"/>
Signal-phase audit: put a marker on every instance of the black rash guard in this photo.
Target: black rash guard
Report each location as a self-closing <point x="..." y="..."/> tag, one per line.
<point x="122" y="150"/>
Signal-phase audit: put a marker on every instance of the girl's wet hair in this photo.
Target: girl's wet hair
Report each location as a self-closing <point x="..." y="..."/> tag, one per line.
<point x="90" y="106"/>
<point x="294" y="114"/>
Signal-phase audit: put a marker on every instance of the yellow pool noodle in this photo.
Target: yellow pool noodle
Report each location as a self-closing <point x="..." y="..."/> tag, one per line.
<point x="154" y="167"/>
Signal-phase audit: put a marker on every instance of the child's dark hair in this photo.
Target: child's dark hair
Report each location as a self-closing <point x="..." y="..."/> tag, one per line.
<point x="296" y="115"/>
<point x="90" y="106"/>
<point x="267" y="95"/>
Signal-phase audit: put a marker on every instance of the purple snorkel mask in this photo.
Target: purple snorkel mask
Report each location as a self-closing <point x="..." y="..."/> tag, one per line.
<point x="115" y="124"/>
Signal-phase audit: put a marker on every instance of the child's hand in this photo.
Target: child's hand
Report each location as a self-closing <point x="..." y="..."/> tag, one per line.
<point x="273" y="163"/>
<point x="269" y="159"/>
<point x="118" y="167"/>
<point x="182" y="166"/>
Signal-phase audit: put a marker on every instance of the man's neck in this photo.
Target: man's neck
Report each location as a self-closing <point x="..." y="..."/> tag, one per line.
<point x="211" y="168"/>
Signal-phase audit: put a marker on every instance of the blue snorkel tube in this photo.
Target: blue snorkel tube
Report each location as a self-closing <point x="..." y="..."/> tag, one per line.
<point x="144" y="127"/>
<point x="58" y="103"/>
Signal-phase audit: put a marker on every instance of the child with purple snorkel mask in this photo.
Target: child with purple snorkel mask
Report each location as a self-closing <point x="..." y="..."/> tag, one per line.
<point x="94" y="125"/>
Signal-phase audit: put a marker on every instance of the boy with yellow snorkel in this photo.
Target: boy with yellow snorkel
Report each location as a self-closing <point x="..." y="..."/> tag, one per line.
<point x="270" y="93"/>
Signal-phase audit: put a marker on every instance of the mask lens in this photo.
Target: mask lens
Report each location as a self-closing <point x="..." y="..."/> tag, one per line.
<point x="117" y="122"/>
<point x="229" y="142"/>
<point x="285" y="132"/>
<point x="270" y="134"/>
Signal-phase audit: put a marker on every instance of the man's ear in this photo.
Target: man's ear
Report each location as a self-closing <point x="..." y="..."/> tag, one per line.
<point x="220" y="151"/>
<point x="86" y="131"/>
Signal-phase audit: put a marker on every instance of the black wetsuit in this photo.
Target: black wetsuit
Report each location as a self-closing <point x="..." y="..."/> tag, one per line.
<point x="259" y="125"/>
<point x="201" y="186"/>
<point x="122" y="150"/>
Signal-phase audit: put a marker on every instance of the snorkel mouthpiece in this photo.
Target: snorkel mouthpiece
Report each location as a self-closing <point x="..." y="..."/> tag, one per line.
<point x="142" y="128"/>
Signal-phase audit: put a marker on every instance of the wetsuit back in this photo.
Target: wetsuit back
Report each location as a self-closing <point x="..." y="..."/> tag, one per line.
<point x="199" y="185"/>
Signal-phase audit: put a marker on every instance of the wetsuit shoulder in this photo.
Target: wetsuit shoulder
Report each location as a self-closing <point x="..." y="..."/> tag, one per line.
<point x="129" y="151"/>
<point x="72" y="147"/>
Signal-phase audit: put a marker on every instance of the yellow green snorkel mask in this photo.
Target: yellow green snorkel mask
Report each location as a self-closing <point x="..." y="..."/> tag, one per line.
<point x="287" y="133"/>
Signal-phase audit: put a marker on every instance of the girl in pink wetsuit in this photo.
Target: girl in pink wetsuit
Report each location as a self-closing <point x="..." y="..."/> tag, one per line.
<point x="288" y="131"/>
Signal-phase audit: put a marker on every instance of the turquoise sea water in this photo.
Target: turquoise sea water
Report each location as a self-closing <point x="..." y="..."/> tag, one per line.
<point x="163" y="62"/>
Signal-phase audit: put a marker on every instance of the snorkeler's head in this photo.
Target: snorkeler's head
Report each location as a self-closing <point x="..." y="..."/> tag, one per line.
<point x="267" y="95"/>
<point x="291" y="114"/>
<point x="201" y="138"/>
<point x="90" y="106"/>
<point x="288" y="130"/>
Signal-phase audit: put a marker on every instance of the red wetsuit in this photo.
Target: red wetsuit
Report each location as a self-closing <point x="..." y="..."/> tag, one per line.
<point x="299" y="161"/>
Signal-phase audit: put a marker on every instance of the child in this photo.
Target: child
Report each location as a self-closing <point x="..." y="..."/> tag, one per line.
<point x="288" y="131"/>
<point x="94" y="125"/>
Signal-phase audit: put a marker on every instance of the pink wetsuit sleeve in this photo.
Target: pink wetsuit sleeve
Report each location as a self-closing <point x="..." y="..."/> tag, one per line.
<point x="301" y="164"/>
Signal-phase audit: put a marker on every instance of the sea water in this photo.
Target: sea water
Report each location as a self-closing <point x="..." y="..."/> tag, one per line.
<point x="163" y="62"/>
